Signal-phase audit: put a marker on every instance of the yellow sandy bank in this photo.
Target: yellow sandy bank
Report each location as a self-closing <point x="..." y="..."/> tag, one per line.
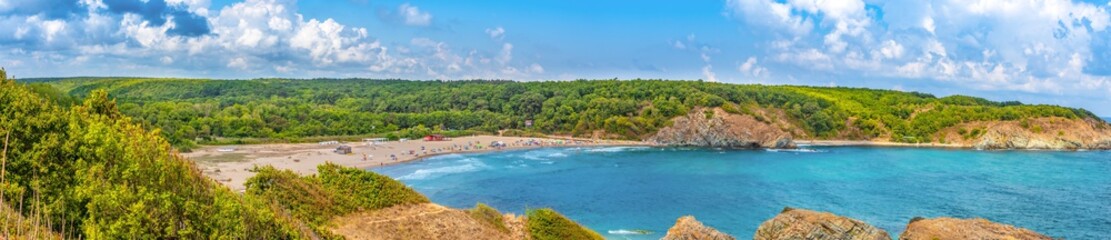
<point x="231" y="164"/>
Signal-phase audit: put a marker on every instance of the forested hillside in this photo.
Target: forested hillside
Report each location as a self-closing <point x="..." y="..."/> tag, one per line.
<point x="87" y="171"/>
<point x="210" y="111"/>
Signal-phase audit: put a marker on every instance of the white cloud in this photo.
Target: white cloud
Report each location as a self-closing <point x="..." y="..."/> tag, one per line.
<point x="497" y="33"/>
<point x="752" y="68"/>
<point x="928" y="24"/>
<point x="413" y="16"/>
<point x="807" y="58"/>
<point x="506" y="53"/>
<point x="536" y="68"/>
<point x="708" y="72"/>
<point x="51" y="28"/>
<point x="770" y="13"/>
<point x="251" y="37"/>
<point x="679" y="45"/>
<point x="984" y="44"/>
<point x="891" y="50"/>
<point x="193" y="5"/>
<point x="239" y="62"/>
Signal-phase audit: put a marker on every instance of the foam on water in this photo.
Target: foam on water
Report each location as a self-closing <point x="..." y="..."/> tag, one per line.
<point x="469" y="165"/>
<point x="797" y="150"/>
<point x="533" y="157"/>
<point x="629" y="232"/>
<point x="616" y="149"/>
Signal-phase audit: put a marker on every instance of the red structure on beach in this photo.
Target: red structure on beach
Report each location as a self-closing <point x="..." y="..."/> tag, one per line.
<point x="434" y="137"/>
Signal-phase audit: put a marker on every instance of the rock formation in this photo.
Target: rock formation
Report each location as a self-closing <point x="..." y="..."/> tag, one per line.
<point x="806" y="224"/>
<point x="705" y="127"/>
<point x="687" y="228"/>
<point x="952" y="228"/>
<point x="1038" y="133"/>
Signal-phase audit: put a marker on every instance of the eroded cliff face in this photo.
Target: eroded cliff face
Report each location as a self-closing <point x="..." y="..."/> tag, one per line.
<point x="1040" y="133"/>
<point x="978" y="228"/>
<point x="806" y="224"/>
<point x="687" y="228"/>
<point x="706" y="127"/>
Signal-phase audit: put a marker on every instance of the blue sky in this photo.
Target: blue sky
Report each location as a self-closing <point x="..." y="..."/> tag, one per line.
<point x="1043" y="51"/>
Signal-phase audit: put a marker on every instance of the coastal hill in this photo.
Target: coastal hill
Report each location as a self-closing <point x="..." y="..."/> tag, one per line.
<point x="87" y="171"/>
<point x="199" y="111"/>
<point x="84" y="169"/>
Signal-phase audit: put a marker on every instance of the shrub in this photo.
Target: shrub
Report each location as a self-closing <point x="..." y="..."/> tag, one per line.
<point x="489" y="215"/>
<point x="545" y="224"/>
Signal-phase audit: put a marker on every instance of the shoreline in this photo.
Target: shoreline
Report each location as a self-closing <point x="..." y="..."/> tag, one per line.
<point x="866" y="143"/>
<point x="231" y="164"/>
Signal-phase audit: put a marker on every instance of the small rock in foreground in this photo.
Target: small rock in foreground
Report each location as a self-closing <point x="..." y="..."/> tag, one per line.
<point x="687" y="228"/>
<point x="806" y="224"/>
<point x="976" y="228"/>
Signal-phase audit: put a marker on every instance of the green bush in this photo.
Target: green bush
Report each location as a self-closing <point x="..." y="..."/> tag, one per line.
<point x="335" y="191"/>
<point x="547" y="224"/>
<point x="489" y="215"/>
<point x="90" y="168"/>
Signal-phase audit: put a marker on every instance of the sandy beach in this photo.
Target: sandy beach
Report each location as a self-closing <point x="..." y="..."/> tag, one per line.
<point x="232" y="164"/>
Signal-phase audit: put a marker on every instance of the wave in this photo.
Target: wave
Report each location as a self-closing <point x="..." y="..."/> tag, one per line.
<point x="629" y="232"/>
<point x="532" y="157"/>
<point x="557" y="154"/>
<point x="803" y="150"/>
<point x="616" y="149"/>
<point x="425" y="173"/>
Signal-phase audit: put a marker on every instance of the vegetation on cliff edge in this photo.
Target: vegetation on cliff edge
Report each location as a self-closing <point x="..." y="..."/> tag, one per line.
<point x="89" y="171"/>
<point x="545" y="224"/>
<point x="213" y="111"/>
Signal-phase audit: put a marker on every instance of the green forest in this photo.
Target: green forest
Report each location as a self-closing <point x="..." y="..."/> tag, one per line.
<point x="198" y="111"/>
<point x="79" y="168"/>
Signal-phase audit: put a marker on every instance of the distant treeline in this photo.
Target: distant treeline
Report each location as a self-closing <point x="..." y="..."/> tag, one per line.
<point x="210" y="111"/>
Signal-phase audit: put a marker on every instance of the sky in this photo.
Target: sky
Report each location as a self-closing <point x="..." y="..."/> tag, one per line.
<point x="1034" y="51"/>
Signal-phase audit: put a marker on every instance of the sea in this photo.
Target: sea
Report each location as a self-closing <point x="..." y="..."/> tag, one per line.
<point x="639" y="192"/>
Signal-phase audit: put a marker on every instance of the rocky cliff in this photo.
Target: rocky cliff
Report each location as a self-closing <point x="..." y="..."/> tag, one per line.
<point x="766" y="128"/>
<point x="714" y="127"/>
<point x="1053" y="133"/>
<point x="687" y="228"/>
<point x="806" y="224"/>
<point x="952" y="228"/>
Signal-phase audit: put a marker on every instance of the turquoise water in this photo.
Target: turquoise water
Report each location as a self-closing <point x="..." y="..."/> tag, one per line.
<point x="1062" y="194"/>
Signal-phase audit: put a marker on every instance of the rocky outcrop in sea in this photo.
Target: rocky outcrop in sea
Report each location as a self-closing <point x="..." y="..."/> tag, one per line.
<point x="799" y="224"/>
<point x="687" y="228"/>
<point x="805" y="224"/>
<point x="977" y="228"/>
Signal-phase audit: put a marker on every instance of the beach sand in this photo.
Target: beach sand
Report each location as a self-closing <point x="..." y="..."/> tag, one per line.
<point x="231" y="164"/>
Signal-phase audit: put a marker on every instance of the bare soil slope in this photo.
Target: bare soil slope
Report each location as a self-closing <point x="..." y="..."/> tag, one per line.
<point x="423" y="221"/>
